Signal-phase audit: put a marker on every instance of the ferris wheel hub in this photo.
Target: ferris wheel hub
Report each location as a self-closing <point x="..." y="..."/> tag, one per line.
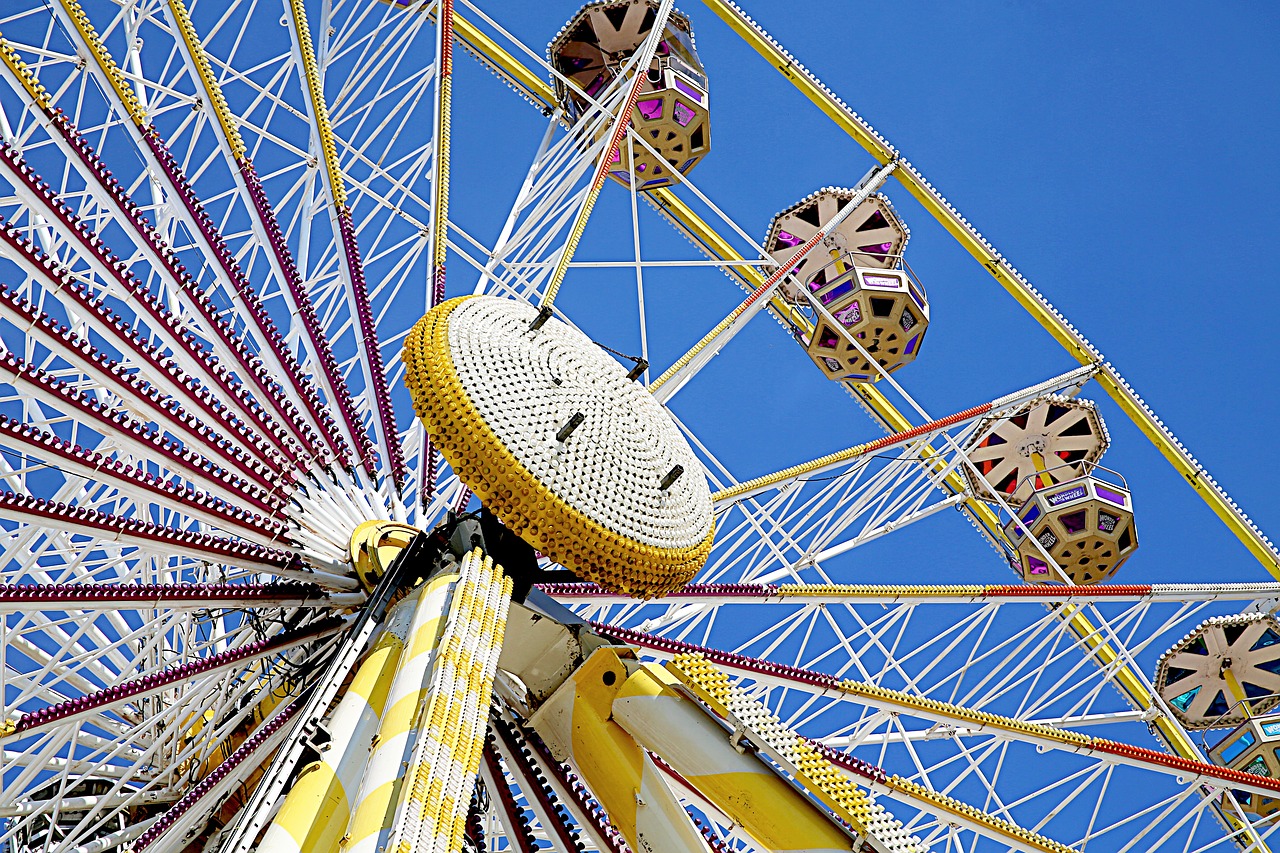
<point x="600" y="498"/>
<point x="374" y="546"/>
<point x="1035" y="444"/>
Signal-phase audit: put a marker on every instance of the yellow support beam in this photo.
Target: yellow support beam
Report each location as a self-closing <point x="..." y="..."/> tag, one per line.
<point x="883" y="696"/>
<point x="212" y="91"/>
<point x="831" y="785"/>
<point x="491" y="54"/>
<point x="576" y="722"/>
<point x="795" y="590"/>
<point x="444" y="133"/>
<point x="39" y="94"/>
<point x="710" y="686"/>
<point x="319" y="109"/>
<point x="762" y="804"/>
<point x="115" y="77"/>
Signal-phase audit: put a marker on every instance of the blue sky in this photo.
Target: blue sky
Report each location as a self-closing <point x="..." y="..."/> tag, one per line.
<point x="1122" y="160"/>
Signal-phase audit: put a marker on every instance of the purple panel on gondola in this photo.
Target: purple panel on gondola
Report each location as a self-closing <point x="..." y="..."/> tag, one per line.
<point x="915" y="294"/>
<point x="683" y="114"/>
<point x="688" y="90"/>
<point x="889" y="281"/>
<point x="1108" y="495"/>
<point x="788" y="240"/>
<point x="850" y="314"/>
<point x="650" y="108"/>
<point x="1073" y="522"/>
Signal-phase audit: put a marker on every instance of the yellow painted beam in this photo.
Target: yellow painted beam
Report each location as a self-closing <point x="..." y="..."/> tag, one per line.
<point x="444" y="133"/>
<point x="576" y="722"/>
<point x="775" y="815"/>
<point x="476" y="42"/>
<point x="212" y="91"/>
<point x="319" y="109"/>
<point x="39" y="94"/>
<point x="795" y="590"/>
<point x="115" y="77"/>
<point x="832" y="786"/>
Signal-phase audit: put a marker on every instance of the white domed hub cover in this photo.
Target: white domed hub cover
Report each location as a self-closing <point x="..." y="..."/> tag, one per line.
<point x="550" y="433"/>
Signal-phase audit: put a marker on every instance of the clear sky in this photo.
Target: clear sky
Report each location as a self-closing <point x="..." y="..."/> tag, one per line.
<point x="1122" y="157"/>
<point x="1123" y="160"/>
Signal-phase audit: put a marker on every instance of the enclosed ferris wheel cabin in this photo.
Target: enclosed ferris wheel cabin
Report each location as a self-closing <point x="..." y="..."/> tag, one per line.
<point x="671" y="115"/>
<point x="1072" y="520"/>
<point x="1225" y="674"/>
<point x="868" y="313"/>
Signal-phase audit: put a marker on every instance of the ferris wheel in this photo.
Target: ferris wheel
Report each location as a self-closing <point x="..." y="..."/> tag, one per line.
<point x="628" y="533"/>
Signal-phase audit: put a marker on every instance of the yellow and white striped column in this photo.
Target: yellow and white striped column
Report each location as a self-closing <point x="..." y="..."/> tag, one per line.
<point x="575" y="723"/>
<point x="374" y="808"/>
<point x="314" y="815"/>
<point x="432" y="806"/>
<point x="776" y="816"/>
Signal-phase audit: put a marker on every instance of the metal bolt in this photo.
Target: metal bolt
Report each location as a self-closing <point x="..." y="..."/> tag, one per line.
<point x="669" y="480"/>
<point x="544" y="314"/>
<point x="567" y="429"/>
